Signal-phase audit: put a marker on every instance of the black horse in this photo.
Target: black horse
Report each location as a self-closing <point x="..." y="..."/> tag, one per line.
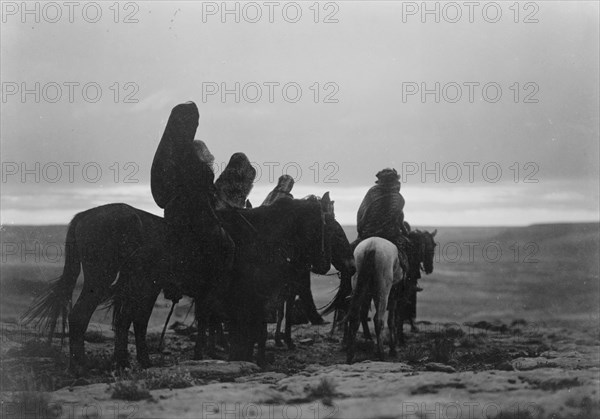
<point x="118" y="239"/>
<point x="341" y="258"/>
<point x="106" y="242"/>
<point x="287" y="237"/>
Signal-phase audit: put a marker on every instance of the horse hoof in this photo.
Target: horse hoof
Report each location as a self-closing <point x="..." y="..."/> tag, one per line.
<point x="278" y="343"/>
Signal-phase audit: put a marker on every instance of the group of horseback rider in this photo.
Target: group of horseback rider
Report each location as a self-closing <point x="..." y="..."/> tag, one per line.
<point x="182" y="183"/>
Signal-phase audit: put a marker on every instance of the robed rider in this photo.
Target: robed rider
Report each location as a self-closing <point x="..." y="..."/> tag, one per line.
<point x="283" y="189"/>
<point x="235" y="183"/>
<point x="381" y="213"/>
<point x="182" y="184"/>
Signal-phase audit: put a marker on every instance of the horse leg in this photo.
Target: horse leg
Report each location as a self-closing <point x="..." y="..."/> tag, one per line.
<point x="280" y="310"/>
<point x="378" y="321"/>
<point x="303" y="290"/>
<point x="365" y="321"/>
<point x="334" y="322"/>
<point x="214" y="326"/>
<point x="261" y="358"/>
<point x="352" y="328"/>
<point x="220" y="334"/>
<point x="202" y="321"/>
<point x="140" y="326"/>
<point x="392" y="327"/>
<point x="413" y="311"/>
<point x="288" y="321"/>
<point x="122" y="323"/>
<point x="79" y="319"/>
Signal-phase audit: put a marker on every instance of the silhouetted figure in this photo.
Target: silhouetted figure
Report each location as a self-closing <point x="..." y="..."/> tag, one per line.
<point x="282" y="190"/>
<point x="182" y="184"/>
<point x="235" y="183"/>
<point x="381" y="213"/>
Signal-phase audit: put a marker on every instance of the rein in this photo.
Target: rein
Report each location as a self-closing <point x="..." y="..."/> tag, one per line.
<point x="247" y="222"/>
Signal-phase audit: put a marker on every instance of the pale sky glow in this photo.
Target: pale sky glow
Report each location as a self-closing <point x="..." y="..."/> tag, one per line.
<point x="365" y="62"/>
<point x="481" y="205"/>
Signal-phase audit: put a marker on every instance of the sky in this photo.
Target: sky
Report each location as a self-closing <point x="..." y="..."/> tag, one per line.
<point x="490" y="114"/>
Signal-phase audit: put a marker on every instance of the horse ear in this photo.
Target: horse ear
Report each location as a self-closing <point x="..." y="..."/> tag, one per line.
<point x="326" y="200"/>
<point x="434" y="233"/>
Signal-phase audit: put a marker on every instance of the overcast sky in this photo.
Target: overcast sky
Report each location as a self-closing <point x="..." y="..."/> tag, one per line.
<point x="524" y="154"/>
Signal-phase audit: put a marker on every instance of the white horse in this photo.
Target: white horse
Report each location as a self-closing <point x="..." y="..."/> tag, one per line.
<point x="377" y="270"/>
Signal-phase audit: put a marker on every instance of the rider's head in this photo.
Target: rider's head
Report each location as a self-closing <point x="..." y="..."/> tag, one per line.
<point x="388" y="177"/>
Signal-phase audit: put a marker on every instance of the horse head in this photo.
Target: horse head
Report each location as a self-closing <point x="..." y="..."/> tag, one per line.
<point x="342" y="256"/>
<point x="314" y="236"/>
<point x="424" y="247"/>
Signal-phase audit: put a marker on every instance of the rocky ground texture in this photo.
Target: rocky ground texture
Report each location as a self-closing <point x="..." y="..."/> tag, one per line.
<point x="480" y="370"/>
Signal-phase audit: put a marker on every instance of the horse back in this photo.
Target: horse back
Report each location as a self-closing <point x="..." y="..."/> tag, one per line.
<point x="108" y="234"/>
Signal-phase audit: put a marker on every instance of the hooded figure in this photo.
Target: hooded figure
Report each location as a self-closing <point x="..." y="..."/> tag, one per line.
<point x="235" y="183"/>
<point x="282" y="190"/>
<point x="182" y="184"/>
<point x="176" y="169"/>
<point x="381" y="213"/>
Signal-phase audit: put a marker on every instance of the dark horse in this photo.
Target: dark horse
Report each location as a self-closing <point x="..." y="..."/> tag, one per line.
<point x="110" y="241"/>
<point x="342" y="259"/>
<point x="117" y="239"/>
<point x="289" y="237"/>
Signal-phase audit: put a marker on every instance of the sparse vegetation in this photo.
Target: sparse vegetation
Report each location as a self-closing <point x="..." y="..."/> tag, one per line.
<point x="324" y="391"/>
<point x="166" y="379"/>
<point x="414" y="353"/>
<point x="442" y="349"/>
<point x="131" y="390"/>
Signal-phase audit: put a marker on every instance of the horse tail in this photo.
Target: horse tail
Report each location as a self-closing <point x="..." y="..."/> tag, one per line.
<point x="364" y="281"/>
<point x="56" y="300"/>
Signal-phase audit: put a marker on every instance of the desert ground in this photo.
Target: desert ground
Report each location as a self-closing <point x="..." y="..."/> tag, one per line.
<point x="509" y="328"/>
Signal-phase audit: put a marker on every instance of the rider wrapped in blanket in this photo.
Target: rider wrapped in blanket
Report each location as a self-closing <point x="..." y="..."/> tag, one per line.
<point x="182" y="184"/>
<point x="235" y="183"/>
<point x="283" y="191"/>
<point x="381" y="213"/>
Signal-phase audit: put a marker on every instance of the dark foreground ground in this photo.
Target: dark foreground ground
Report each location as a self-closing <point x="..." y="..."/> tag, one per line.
<point x="508" y="329"/>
